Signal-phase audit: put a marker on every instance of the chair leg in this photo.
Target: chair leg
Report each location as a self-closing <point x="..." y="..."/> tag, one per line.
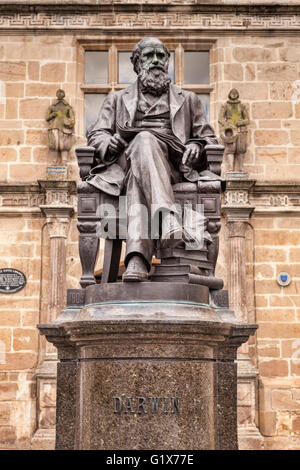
<point x="88" y="250"/>
<point x="88" y="200"/>
<point x="111" y="262"/>
<point x="213" y="251"/>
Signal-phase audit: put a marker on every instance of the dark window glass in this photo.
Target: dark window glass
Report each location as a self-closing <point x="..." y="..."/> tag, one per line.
<point x="96" y="67"/>
<point x="196" y="67"/>
<point x="126" y="74"/>
<point x="92" y="105"/>
<point x="205" y="103"/>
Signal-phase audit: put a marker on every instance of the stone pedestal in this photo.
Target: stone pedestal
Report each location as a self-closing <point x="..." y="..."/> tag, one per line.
<point x="140" y="373"/>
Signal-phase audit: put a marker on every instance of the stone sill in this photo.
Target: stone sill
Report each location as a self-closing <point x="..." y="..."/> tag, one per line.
<point x="275" y="186"/>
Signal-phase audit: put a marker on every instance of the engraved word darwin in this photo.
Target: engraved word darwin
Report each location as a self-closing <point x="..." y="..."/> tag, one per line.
<point x="144" y="405"/>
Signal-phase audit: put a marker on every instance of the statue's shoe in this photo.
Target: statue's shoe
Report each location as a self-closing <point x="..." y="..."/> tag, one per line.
<point x="136" y="270"/>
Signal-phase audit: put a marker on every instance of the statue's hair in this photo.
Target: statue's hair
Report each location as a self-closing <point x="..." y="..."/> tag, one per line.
<point x="136" y="52"/>
<point x="60" y="91"/>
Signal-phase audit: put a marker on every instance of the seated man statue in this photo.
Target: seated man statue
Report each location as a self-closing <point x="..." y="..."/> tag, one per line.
<point x="148" y="137"/>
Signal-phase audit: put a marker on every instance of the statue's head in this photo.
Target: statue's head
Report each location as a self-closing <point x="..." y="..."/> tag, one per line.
<point x="233" y="95"/>
<point x="149" y="53"/>
<point x="228" y="132"/>
<point x="60" y="94"/>
<point x="150" y="59"/>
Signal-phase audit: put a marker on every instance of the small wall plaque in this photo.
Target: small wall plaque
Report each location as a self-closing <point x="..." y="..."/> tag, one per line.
<point x="284" y="279"/>
<point x="11" y="281"/>
<point x="57" y="173"/>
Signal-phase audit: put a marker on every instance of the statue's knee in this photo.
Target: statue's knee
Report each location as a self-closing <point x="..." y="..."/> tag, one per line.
<point x="144" y="147"/>
<point x="145" y="137"/>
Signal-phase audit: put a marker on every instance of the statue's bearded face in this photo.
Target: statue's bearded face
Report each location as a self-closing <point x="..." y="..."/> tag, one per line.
<point x="153" y="70"/>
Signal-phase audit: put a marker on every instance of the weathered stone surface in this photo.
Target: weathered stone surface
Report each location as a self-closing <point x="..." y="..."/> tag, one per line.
<point x="33" y="70"/>
<point x="13" y="71"/>
<point x="25" y="339"/>
<point x="253" y="54"/>
<point x="268" y="423"/>
<point x="14" y="90"/>
<point x="268" y="348"/>
<point x="276" y="72"/>
<point x="192" y="382"/>
<point x="270" y="137"/>
<point x="290" y="54"/>
<point x="53" y="72"/>
<point x="33" y="108"/>
<point x="267" y="110"/>
<point x="233" y="72"/>
<point x="11" y="137"/>
<point x="271" y="155"/>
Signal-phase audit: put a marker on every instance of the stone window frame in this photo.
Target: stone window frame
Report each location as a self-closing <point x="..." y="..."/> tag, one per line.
<point x="115" y="42"/>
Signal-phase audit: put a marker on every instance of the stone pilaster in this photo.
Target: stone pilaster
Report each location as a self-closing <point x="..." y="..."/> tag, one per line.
<point x="237" y="211"/>
<point x="58" y="211"/>
<point x="237" y="221"/>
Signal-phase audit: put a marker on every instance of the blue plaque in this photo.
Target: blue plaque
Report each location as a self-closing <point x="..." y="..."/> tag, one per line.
<point x="284" y="279"/>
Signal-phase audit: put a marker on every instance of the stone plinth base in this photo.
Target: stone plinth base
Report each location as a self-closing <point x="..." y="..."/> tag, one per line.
<point x="146" y="375"/>
<point x="250" y="439"/>
<point x="44" y="439"/>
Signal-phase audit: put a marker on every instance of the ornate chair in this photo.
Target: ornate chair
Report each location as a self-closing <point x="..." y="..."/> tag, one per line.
<point x="197" y="267"/>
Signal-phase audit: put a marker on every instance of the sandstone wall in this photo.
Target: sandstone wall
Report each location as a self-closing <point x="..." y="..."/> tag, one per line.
<point x="265" y="70"/>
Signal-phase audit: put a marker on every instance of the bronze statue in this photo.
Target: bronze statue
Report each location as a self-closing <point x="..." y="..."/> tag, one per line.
<point x="148" y="137"/>
<point x="233" y="122"/>
<point x="61" y="120"/>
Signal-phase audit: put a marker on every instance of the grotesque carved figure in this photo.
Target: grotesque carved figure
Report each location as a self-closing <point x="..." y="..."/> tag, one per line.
<point x="61" y="121"/>
<point x="233" y="122"/>
<point x="148" y="137"/>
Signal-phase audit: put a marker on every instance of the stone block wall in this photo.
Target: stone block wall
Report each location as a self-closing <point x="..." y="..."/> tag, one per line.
<point x="20" y="248"/>
<point x="278" y="338"/>
<point x="265" y="70"/>
<point x="33" y="67"/>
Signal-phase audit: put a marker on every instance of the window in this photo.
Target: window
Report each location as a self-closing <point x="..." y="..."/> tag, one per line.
<point x="107" y="67"/>
<point x="196" y="67"/>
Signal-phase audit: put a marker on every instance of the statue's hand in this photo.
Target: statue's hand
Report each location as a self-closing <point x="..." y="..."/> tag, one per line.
<point x="52" y="115"/>
<point x="191" y="154"/>
<point x="117" y="144"/>
<point x="241" y="123"/>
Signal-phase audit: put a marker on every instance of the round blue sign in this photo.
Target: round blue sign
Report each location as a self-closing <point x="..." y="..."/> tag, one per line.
<point x="283" y="279"/>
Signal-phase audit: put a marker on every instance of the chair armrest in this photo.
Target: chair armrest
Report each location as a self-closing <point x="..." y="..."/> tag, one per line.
<point x="85" y="157"/>
<point x="214" y="157"/>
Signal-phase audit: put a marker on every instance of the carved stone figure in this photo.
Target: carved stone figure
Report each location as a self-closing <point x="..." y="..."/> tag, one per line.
<point x="233" y="120"/>
<point x="61" y="121"/>
<point x="148" y="137"/>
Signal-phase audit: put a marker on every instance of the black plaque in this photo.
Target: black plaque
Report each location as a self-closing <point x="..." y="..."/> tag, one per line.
<point x="11" y="281"/>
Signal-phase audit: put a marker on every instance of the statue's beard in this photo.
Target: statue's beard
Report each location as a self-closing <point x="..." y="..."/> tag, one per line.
<point x="154" y="81"/>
